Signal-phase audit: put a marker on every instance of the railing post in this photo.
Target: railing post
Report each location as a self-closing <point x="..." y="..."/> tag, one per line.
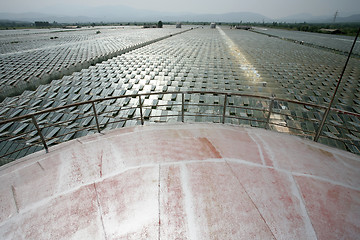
<point x="96" y="117"/>
<point x="141" y="113"/>
<point x="182" y="106"/>
<point x="270" y="112"/>
<point x="321" y="126"/>
<point x="224" y="111"/>
<point x="40" y="134"/>
<point x="323" y="120"/>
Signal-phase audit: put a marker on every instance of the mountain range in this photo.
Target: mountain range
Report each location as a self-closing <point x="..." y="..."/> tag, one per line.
<point x="81" y="14"/>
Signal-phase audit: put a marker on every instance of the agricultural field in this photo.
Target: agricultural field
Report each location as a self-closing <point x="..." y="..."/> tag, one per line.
<point x="37" y="56"/>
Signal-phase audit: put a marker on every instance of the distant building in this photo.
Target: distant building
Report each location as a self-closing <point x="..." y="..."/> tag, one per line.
<point x="331" y="31"/>
<point x="178" y="25"/>
<point x="71" y="27"/>
<point x="212" y="25"/>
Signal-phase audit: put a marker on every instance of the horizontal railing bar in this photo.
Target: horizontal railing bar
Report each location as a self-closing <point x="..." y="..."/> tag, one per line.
<point x="188" y="104"/>
<point x="301" y="103"/>
<point x="294" y="116"/>
<point x="8" y="154"/>
<point x="15" y="136"/>
<point x="75" y="131"/>
<point x="60" y="123"/>
<point x="78" y="130"/>
<point x="281" y="125"/>
<point x="346" y="128"/>
<point x="26" y="147"/>
<point x="167" y="115"/>
<point x="192" y="114"/>
<point x="162" y="105"/>
<point x="162" y="93"/>
<point x="345" y="112"/>
<point x="343" y="140"/>
<point x="121" y="120"/>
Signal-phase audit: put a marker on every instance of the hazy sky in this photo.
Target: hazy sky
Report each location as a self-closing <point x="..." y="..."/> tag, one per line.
<point x="269" y="8"/>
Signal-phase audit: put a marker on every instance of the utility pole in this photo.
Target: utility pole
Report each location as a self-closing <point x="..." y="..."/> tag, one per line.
<point x="335" y="15"/>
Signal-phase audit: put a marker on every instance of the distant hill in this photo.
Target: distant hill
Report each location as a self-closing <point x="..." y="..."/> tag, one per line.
<point x="306" y="17"/>
<point x="352" y="18"/>
<point x="33" y="16"/>
<point x="119" y="13"/>
<point x="298" y="18"/>
<point x="5" y="21"/>
<point x="235" y="17"/>
<point x="124" y="14"/>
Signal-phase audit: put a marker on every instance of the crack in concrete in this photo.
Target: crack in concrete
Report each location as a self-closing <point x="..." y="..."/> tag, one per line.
<point x="257" y="209"/>
<point x="100" y="211"/>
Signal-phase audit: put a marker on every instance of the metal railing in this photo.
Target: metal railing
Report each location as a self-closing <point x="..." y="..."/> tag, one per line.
<point x="34" y="130"/>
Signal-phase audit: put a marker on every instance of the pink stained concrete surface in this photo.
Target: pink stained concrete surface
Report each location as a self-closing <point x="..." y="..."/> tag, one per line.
<point x="129" y="204"/>
<point x="334" y="210"/>
<point x="216" y="195"/>
<point x="69" y="216"/>
<point x="172" y="206"/>
<point x="7" y="205"/>
<point x="153" y="146"/>
<point x="185" y="181"/>
<point x="259" y="184"/>
<point x="322" y="162"/>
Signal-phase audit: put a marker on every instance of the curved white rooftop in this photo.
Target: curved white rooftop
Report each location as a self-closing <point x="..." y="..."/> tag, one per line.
<point x="187" y="181"/>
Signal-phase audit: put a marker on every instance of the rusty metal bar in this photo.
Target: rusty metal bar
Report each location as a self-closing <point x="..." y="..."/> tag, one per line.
<point x="40" y="134"/>
<point x="96" y="117"/>
<point x="16" y="151"/>
<point x="182" y="106"/>
<point x="141" y="113"/>
<point x="187" y="92"/>
<point x="157" y="93"/>
<point x="326" y="113"/>
<point x="226" y="94"/>
<point x="270" y="112"/>
<point x="224" y="111"/>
